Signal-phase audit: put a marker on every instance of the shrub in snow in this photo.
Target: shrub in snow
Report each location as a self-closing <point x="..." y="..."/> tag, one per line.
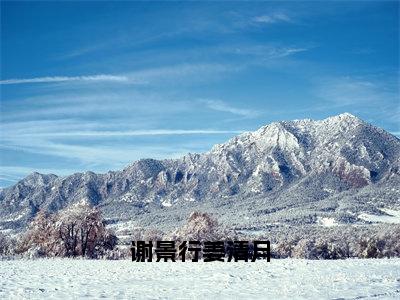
<point x="78" y="230"/>
<point x="199" y="227"/>
<point x="117" y="253"/>
<point x="305" y="248"/>
<point x="337" y="242"/>
<point x="283" y="249"/>
<point x="328" y="249"/>
<point x="6" y="244"/>
<point x="152" y="235"/>
<point x="392" y="242"/>
<point x="35" y="252"/>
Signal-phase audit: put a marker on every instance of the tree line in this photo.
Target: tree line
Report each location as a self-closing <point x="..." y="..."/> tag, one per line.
<point x="80" y="230"/>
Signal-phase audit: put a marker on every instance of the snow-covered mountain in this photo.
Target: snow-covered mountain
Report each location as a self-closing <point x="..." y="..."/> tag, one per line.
<point x="280" y="166"/>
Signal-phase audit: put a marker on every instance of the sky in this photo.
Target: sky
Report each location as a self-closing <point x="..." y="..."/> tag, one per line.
<point x="98" y="85"/>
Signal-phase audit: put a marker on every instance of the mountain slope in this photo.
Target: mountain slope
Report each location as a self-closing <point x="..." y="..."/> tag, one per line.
<point x="283" y="164"/>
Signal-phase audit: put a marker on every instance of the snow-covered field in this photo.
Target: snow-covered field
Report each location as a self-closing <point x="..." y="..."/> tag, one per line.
<point x="279" y="279"/>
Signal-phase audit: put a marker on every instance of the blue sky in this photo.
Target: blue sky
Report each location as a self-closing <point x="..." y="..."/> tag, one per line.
<point x="97" y="85"/>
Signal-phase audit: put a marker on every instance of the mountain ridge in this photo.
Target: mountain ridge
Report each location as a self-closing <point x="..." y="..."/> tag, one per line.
<point x="340" y="153"/>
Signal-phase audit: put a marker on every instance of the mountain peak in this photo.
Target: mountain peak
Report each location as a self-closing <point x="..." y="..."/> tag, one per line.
<point x="345" y="117"/>
<point x="38" y="178"/>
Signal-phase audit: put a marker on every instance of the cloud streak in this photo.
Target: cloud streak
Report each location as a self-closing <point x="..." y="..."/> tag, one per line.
<point x="345" y="91"/>
<point x="222" y="106"/>
<point x="50" y="79"/>
<point x="272" y="18"/>
<point x="151" y="132"/>
<point x="92" y="145"/>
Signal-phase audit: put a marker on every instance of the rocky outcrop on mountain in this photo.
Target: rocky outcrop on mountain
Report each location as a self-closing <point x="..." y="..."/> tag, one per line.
<point x="316" y="158"/>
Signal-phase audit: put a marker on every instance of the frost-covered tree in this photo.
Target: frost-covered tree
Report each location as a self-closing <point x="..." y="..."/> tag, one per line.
<point x="328" y="249"/>
<point x="82" y="230"/>
<point x="283" y="249"/>
<point x="152" y="235"/>
<point x="76" y="230"/>
<point x="199" y="227"/>
<point x="5" y="244"/>
<point x="305" y="248"/>
<point x="40" y="237"/>
<point x="392" y="242"/>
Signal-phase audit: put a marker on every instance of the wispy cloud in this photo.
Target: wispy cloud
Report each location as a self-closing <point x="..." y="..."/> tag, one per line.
<point x="222" y="106"/>
<point x="347" y="90"/>
<point x="290" y="51"/>
<point x="14" y="173"/>
<point x="265" y="51"/>
<point x="361" y="95"/>
<point x="98" y="155"/>
<point x="187" y="71"/>
<point x="91" y="143"/>
<point x="126" y="105"/>
<point x="150" y="132"/>
<point x="88" y="155"/>
<point x="144" y="76"/>
<point x="272" y="18"/>
<point x="49" y="79"/>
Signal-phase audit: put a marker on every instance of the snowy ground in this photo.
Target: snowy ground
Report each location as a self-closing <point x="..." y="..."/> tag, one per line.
<point x="392" y="216"/>
<point x="279" y="279"/>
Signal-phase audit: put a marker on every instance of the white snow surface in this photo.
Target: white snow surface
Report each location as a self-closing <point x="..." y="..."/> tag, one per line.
<point x="327" y="222"/>
<point x="392" y="216"/>
<point x="279" y="279"/>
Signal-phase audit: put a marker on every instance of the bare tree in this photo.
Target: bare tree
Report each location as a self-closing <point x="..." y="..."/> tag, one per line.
<point x="76" y="230"/>
<point x="81" y="229"/>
